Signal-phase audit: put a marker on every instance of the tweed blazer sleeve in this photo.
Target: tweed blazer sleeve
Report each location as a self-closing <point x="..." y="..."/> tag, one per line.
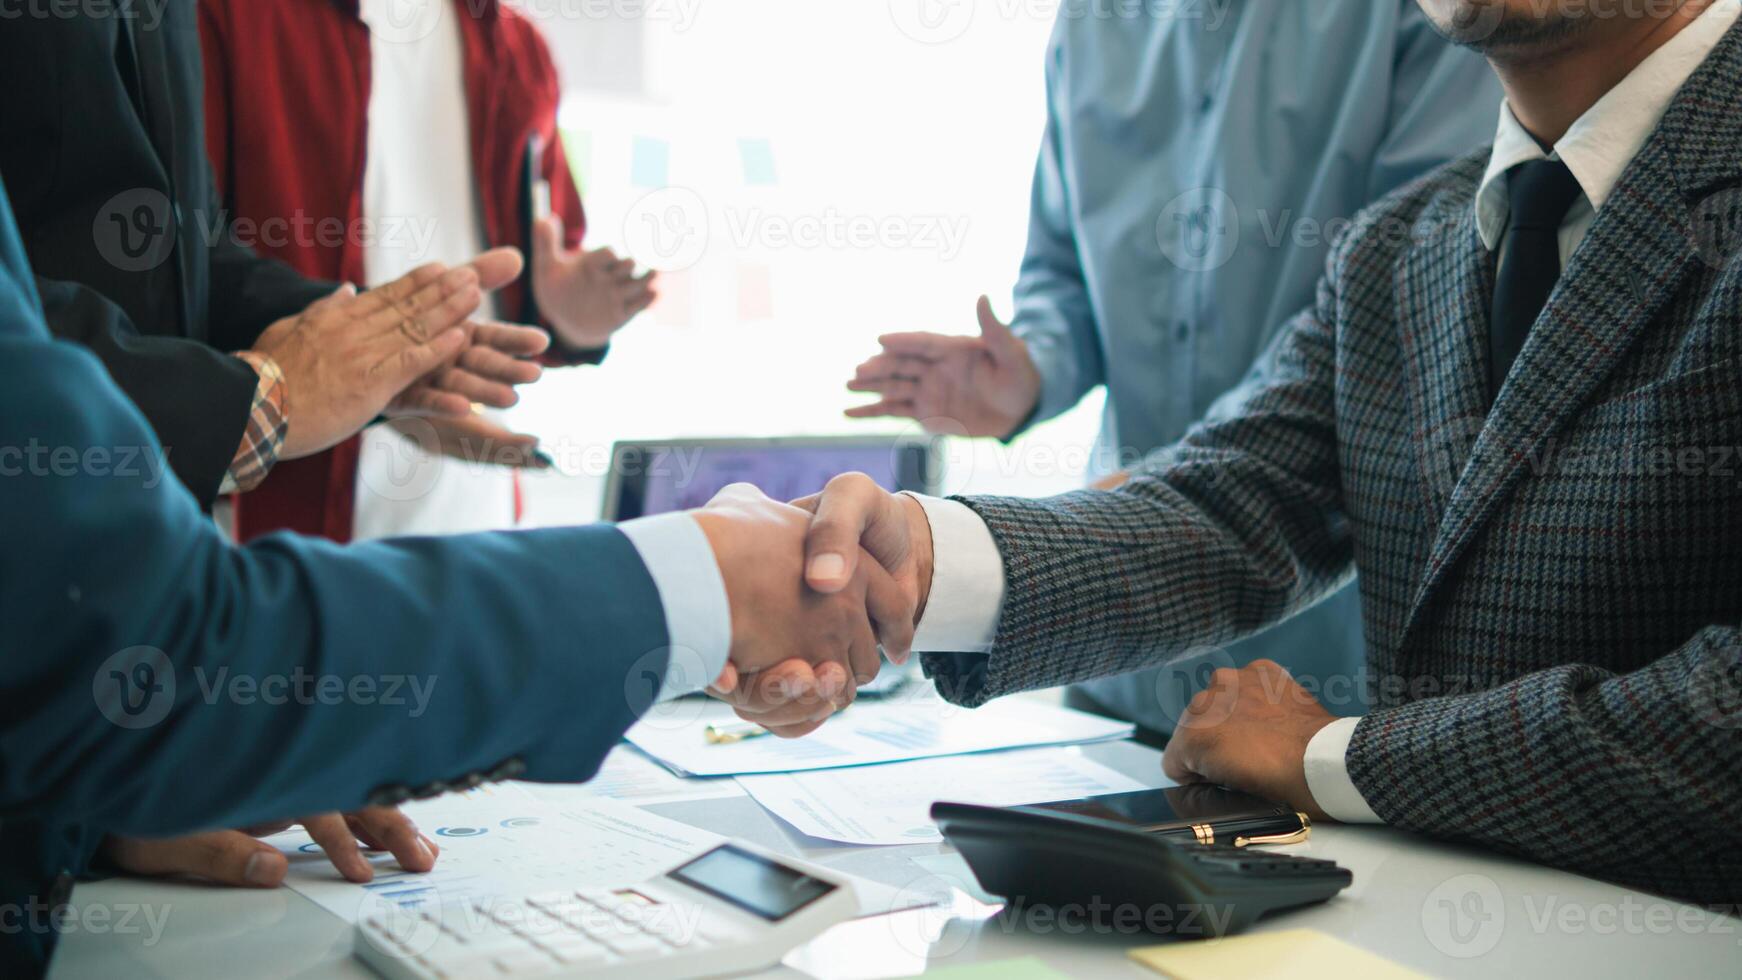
<point x="1233" y="529"/>
<point x="1630" y="777"/>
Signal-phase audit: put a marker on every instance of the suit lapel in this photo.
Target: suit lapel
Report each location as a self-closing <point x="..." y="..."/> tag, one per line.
<point x="155" y="89"/>
<point x="1638" y="252"/>
<point x="1444" y="289"/>
<point x="1627" y="269"/>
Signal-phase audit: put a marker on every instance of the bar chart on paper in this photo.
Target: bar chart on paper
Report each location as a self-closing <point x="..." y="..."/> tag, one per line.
<point x="501" y="841"/>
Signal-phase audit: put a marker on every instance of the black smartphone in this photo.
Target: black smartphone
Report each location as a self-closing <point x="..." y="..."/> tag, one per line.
<point x="1185" y="811"/>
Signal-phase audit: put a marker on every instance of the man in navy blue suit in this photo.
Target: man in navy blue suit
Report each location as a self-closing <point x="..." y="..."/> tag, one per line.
<point x="528" y="654"/>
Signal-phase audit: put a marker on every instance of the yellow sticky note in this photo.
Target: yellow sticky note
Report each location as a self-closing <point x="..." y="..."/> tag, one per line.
<point x="1294" y="954"/>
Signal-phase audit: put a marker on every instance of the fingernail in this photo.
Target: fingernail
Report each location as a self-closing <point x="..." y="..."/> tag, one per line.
<point x="827" y="567"/>
<point x="257" y="872"/>
<point x="544" y="459"/>
<point x="423" y="849"/>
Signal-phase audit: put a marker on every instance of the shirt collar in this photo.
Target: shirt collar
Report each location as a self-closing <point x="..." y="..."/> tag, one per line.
<point x="1601" y="143"/>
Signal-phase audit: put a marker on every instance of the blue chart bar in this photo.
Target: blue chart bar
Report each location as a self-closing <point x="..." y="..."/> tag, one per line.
<point x="915" y="739"/>
<point x="388" y="880"/>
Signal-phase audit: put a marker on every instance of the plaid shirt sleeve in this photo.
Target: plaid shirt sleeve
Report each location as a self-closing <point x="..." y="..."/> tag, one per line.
<point x="264" y="437"/>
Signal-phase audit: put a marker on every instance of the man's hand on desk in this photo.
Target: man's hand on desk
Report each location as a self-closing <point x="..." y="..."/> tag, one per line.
<point x="796" y="649"/>
<point x="1249" y="731"/>
<point x="238" y="858"/>
<point x="857" y="537"/>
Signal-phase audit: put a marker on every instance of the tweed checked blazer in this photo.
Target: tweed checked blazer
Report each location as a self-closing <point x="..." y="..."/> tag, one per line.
<point x="1552" y="587"/>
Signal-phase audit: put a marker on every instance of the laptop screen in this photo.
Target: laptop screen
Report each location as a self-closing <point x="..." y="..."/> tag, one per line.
<point x="658" y="478"/>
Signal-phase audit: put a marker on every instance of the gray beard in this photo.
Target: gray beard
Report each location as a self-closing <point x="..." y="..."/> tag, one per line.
<point x="1516" y="37"/>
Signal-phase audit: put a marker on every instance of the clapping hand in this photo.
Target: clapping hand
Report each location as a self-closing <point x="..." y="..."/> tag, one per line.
<point x="586" y="296"/>
<point x="977" y="386"/>
<point x="410" y="347"/>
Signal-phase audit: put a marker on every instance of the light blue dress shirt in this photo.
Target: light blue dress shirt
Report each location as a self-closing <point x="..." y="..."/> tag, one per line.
<point x="1199" y="157"/>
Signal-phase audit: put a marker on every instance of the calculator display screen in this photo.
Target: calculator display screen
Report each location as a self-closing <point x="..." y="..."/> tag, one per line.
<point x="754" y="884"/>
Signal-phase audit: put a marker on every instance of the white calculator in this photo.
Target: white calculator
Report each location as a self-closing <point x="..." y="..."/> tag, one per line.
<point x="733" y="909"/>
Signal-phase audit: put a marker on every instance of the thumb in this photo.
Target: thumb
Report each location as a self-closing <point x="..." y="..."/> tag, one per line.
<point x="228" y="857"/>
<point x="851" y="513"/>
<point x="498" y="268"/>
<point x="995" y="332"/>
<point x="547" y="242"/>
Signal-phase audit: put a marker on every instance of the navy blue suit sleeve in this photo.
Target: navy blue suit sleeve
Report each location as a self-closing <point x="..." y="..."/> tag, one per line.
<point x="286" y="678"/>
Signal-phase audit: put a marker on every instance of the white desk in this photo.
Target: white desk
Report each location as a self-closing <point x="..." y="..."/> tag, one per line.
<point x="1443" y="910"/>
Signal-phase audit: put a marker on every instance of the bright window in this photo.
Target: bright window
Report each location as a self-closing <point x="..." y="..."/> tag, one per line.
<point x="836" y="170"/>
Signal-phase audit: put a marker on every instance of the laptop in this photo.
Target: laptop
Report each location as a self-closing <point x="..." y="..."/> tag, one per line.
<point x="658" y="477"/>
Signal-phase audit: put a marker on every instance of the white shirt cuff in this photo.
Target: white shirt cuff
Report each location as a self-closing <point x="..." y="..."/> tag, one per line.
<point x="698" y="619"/>
<point x="967" y="581"/>
<point x="1327" y="774"/>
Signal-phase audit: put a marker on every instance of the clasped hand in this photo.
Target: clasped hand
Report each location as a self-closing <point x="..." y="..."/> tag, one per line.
<point x="815" y="587"/>
<point x="1249" y="729"/>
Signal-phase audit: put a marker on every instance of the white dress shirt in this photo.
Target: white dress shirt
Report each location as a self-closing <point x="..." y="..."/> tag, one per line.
<point x="420" y="205"/>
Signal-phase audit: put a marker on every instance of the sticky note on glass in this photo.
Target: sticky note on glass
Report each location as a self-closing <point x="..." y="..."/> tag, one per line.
<point x="650" y="162"/>
<point x="755" y="292"/>
<point x="673" y="307"/>
<point x="578" y="144"/>
<point x="1294" y="954"/>
<point x="758" y="158"/>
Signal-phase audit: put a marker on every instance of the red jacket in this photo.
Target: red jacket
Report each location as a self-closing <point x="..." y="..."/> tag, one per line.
<point x="287" y="110"/>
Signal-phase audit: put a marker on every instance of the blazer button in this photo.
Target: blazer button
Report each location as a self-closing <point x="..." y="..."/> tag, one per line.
<point x="507" y="769"/>
<point x="392" y="794"/>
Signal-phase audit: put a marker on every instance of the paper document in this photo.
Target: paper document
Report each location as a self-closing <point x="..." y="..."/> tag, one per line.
<point x="867" y="733"/>
<point x="501" y="841"/>
<point x="891" y="804"/>
<point x="629" y="776"/>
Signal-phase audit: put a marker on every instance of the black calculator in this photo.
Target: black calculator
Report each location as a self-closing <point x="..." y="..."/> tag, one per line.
<point x="1091" y="869"/>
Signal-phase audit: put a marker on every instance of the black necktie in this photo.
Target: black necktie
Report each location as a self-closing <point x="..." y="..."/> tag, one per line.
<point x="1542" y="191"/>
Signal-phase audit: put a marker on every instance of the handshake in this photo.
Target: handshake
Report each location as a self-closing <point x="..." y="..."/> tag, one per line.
<point x="819" y="591"/>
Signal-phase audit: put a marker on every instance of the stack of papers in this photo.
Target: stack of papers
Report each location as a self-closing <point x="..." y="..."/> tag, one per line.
<point x="869" y="734"/>
<point x="629" y="776"/>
